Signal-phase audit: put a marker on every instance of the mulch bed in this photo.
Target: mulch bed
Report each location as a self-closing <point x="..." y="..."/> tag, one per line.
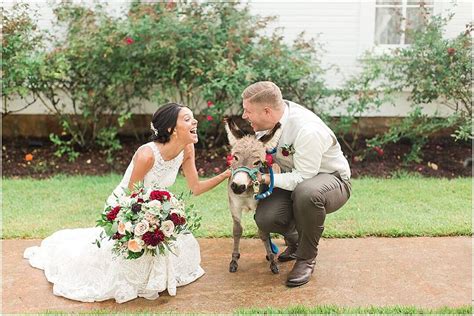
<point x="442" y="157"/>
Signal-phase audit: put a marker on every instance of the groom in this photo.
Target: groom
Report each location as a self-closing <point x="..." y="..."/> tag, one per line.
<point x="314" y="179"/>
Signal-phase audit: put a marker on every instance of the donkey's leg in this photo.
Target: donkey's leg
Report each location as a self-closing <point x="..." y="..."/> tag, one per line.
<point x="237" y="234"/>
<point x="268" y="248"/>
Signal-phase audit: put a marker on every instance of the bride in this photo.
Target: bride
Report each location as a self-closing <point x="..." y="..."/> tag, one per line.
<point x="80" y="270"/>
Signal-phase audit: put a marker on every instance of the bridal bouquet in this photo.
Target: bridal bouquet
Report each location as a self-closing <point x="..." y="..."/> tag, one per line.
<point x="146" y="221"/>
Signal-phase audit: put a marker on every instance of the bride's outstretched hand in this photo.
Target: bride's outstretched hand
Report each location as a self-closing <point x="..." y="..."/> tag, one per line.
<point x="227" y="173"/>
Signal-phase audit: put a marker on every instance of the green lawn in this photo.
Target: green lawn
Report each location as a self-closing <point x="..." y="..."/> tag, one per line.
<point x="331" y="309"/>
<point x="326" y="310"/>
<point x="409" y="206"/>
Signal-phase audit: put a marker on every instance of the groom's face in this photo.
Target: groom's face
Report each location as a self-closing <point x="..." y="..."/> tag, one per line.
<point x="258" y="115"/>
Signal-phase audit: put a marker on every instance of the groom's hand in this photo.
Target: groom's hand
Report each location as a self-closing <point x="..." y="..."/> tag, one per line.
<point x="276" y="168"/>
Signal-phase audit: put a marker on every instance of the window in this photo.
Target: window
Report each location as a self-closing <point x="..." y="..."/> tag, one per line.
<point x="395" y="19"/>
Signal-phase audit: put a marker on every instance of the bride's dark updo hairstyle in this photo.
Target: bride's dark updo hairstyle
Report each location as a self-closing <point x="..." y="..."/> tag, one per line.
<point x="164" y="119"/>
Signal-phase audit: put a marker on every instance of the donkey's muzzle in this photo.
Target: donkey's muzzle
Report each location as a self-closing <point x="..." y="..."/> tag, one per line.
<point x="238" y="188"/>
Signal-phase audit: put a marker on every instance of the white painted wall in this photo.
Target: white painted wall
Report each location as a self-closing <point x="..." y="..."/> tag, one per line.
<point x="345" y="28"/>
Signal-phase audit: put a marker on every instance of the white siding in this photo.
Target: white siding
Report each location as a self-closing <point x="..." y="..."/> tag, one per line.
<point x="336" y="23"/>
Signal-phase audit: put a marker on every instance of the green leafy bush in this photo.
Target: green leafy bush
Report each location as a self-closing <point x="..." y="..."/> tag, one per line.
<point x="22" y="43"/>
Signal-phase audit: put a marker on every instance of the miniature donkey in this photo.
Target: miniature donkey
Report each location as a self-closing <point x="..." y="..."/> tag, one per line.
<point x="248" y="156"/>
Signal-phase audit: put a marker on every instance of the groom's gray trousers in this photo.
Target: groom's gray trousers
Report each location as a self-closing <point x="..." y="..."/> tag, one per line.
<point x="299" y="215"/>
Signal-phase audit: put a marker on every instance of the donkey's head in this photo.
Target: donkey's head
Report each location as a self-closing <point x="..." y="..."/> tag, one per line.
<point x="248" y="154"/>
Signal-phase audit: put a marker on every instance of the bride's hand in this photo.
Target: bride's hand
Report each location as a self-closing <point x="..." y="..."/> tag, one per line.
<point x="227" y="173"/>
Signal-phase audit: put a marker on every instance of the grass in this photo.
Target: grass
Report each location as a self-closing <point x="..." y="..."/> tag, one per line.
<point x="406" y="206"/>
<point x="325" y="309"/>
<point x="332" y="309"/>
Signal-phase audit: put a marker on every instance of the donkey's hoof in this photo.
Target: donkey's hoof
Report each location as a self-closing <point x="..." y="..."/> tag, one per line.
<point x="233" y="266"/>
<point x="274" y="268"/>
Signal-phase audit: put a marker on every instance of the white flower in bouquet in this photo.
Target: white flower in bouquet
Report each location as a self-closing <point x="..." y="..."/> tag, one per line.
<point x="151" y="218"/>
<point x="135" y="245"/>
<point x="141" y="228"/>
<point x="154" y="205"/>
<point x="176" y="204"/>
<point x="178" y="211"/>
<point x="125" y="200"/>
<point x="167" y="227"/>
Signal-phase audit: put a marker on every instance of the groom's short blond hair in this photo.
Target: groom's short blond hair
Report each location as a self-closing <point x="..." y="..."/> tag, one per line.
<point x="264" y="92"/>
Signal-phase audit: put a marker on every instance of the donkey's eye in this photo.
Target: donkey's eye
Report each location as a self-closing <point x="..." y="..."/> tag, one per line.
<point x="235" y="158"/>
<point x="256" y="163"/>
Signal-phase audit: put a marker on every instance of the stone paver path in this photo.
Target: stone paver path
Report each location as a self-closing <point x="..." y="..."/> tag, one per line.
<point x="422" y="272"/>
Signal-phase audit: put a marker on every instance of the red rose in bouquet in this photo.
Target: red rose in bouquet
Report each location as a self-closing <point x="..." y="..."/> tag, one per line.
<point x="160" y="195"/>
<point x="177" y="219"/>
<point x="113" y="213"/>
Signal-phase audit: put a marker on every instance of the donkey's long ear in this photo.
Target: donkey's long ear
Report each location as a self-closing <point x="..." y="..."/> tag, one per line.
<point x="233" y="131"/>
<point x="270" y="140"/>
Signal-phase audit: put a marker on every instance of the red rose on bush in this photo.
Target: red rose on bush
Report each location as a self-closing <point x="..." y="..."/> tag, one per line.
<point x="113" y="213"/>
<point x="160" y="195"/>
<point x="128" y="40"/>
<point x="153" y="238"/>
<point x="209" y="104"/>
<point x="451" y="51"/>
<point x="378" y="150"/>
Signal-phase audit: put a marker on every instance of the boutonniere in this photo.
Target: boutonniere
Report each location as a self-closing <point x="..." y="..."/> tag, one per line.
<point x="287" y="150"/>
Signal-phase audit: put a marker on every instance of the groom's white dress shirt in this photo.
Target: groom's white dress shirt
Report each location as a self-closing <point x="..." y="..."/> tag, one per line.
<point x="316" y="149"/>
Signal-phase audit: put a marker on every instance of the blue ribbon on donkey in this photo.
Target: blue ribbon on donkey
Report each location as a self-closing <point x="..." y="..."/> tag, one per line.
<point x="267" y="193"/>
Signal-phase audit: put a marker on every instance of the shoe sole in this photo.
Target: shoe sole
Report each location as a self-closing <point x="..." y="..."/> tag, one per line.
<point x="289" y="284"/>
<point x="286" y="259"/>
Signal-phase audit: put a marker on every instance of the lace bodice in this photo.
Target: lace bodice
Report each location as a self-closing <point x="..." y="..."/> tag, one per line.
<point x="161" y="175"/>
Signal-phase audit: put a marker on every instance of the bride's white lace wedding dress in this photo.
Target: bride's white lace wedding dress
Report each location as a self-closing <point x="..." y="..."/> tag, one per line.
<point x="80" y="270"/>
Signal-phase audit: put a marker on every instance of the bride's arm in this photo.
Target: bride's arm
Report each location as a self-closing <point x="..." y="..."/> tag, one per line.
<point x="189" y="168"/>
<point x="142" y="163"/>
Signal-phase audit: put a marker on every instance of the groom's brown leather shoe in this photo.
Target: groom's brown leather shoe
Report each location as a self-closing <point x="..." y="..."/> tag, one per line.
<point x="288" y="254"/>
<point x="301" y="272"/>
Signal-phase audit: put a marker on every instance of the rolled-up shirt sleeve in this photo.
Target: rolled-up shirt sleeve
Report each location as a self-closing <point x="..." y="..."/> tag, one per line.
<point x="309" y="145"/>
